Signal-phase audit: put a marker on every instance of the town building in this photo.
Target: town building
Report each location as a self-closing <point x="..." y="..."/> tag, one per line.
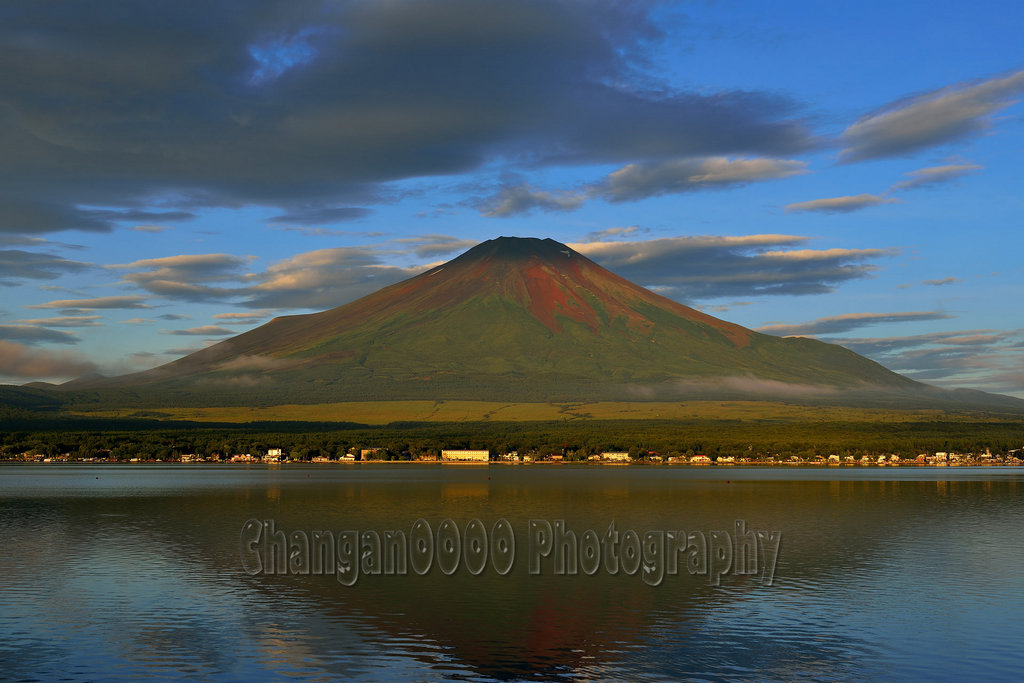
<point x="617" y="456"/>
<point x="465" y="456"/>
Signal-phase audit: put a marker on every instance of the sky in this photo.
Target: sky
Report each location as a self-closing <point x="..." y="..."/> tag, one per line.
<point x="175" y="173"/>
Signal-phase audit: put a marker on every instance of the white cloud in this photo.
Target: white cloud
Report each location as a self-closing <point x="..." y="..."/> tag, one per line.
<point x="98" y="302"/>
<point x="931" y="119"/>
<point x="934" y="175"/>
<point x="63" y="321"/>
<point x="840" y="204"/>
<point x="650" y="179"/>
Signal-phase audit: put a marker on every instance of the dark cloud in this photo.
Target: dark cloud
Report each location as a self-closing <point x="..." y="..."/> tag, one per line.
<point x="943" y="281"/>
<point x="321" y="215"/>
<point x="514" y="200"/>
<point x="694" y="268"/>
<point x="931" y="119"/>
<point x="17" y="360"/>
<point x="311" y="105"/>
<point x="34" y="334"/>
<point x="173" y="316"/>
<point x="16" y="264"/>
<point x="850" y="321"/>
<point x="641" y="180"/>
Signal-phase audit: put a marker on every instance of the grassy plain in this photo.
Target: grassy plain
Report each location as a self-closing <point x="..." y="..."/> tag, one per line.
<point x="388" y="412"/>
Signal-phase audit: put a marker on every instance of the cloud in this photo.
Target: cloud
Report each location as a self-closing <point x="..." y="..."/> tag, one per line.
<point x="177" y="276"/>
<point x="248" y="318"/>
<point x="64" y="321"/>
<point x="254" y="362"/>
<point x="703" y="267"/>
<point x="17" y="360"/>
<point x="205" y="330"/>
<point x="964" y="358"/>
<point x="17" y="264"/>
<point x="320" y="215"/>
<point x="318" y="279"/>
<point x="313" y="107"/>
<point x="935" y="175"/>
<point x="430" y="246"/>
<point x="98" y="302"/>
<point x="840" y="204"/>
<point x="849" y="321"/>
<point x="322" y="279"/>
<point x="150" y="228"/>
<point x="174" y="316"/>
<point x="33" y="334"/>
<point x="649" y="179"/>
<point x="514" y="200"/>
<point x="183" y="351"/>
<point x="722" y="308"/>
<point x="602" y="235"/>
<point x="943" y="281"/>
<point x="931" y="119"/>
<point x="136" y="321"/>
<point x="641" y="180"/>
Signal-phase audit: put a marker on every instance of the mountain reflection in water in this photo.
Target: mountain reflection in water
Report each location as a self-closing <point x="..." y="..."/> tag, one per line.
<point x="135" y="570"/>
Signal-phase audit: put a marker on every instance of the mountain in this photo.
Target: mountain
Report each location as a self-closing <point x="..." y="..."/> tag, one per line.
<point x="512" y="319"/>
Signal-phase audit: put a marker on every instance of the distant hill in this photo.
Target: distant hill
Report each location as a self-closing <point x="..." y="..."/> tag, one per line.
<point x="518" y="320"/>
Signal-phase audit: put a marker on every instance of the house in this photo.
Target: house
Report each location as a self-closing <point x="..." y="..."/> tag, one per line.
<point x="700" y="460"/>
<point x="465" y="456"/>
<point x="617" y="456"/>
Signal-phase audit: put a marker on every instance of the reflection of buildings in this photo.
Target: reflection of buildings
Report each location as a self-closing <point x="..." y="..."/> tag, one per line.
<point x="465" y="456"/>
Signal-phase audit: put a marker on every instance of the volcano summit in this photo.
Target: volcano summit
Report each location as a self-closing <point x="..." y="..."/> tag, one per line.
<point x="512" y="319"/>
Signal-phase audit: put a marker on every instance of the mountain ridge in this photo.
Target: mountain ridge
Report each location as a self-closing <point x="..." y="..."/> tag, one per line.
<point x="516" y="319"/>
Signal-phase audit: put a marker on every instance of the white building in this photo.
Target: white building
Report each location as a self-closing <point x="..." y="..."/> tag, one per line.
<point x="618" y="456"/>
<point x="465" y="456"/>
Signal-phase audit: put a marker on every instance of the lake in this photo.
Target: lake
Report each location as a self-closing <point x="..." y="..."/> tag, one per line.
<point x="431" y="572"/>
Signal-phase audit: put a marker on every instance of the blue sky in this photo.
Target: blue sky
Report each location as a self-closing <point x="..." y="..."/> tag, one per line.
<point x="175" y="173"/>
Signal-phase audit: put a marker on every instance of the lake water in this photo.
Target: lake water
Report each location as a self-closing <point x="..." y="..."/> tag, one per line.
<point x="110" y="571"/>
